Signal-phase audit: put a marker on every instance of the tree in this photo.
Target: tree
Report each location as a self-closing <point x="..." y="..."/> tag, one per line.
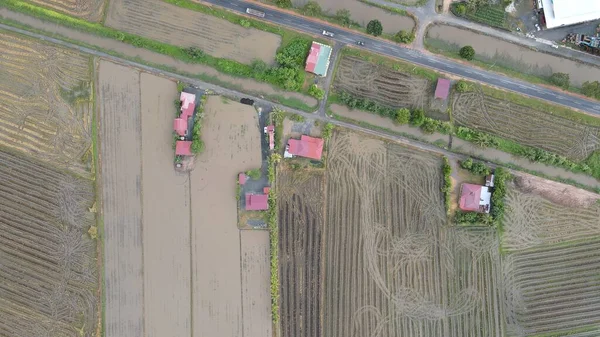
<point x="283" y="3"/>
<point x="467" y="52"/>
<point x="591" y="89"/>
<point x="404" y="37"/>
<point x="374" y="28"/>
<point x="462" y="86"/>
<point x="254" y="174"/>
<point x="259" y="66"/>
<point x="316" y="92"/>
<point x="429" y="125"/>
<point x="194" y="53"/>
<point x="461" y="9"/>
<point x="343" y="16"/>
<point x="560" y="80"/>
<point x="312" y="8"/>
<point x="467" y="164"/>
<point x="417" y="117"/>
<point x="294" y="54"/>
<point x="402" y="116"/>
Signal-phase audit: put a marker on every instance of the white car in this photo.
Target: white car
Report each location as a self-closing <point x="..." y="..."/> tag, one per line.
<point x="326" y="33"/>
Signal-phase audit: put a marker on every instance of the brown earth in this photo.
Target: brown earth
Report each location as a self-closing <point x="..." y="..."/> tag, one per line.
<point x="561" y="194"/>
<point x="232" y="142"/>
<point x="247" y="85"/>
<point x="182" y="27"/>
<point x="46" y="103"/>
<point x="523" y="59"/>
<point x="90" y="10"/>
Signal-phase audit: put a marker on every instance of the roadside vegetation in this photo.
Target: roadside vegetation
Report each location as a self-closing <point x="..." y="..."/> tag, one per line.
<point x="487" y="12"/>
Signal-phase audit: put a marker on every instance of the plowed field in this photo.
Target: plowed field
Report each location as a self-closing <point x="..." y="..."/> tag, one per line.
<point x="300" y="202"/>
<point x="178" y="26"/>
<point x="90" y="10"/>
<point x="48" y="272"/>
<point x="390" y="268"/>
<point x="381" y="84"/>
<point x="525" y="125"/>
<point x="45" y="103"/>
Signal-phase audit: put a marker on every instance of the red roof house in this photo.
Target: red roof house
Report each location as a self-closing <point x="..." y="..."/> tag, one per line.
<point x="475" y="198"/>
<point x="242" y="178"/>
<point x="442" y="89"/>
<point x="306" y="146"/>
<point x="180" y="126"/>
<point x="187" y="105"/>
<point x="183" y="148"/>
<point x="257" y="202"/>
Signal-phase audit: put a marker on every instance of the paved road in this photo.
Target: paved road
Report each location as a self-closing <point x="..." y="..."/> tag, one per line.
<point x="414" y="56"/>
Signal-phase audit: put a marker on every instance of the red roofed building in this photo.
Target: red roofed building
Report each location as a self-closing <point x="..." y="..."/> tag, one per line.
<point x="183" y="148"/>
<point x="180" y="126"/>
<point x="475" y="198"/>
<point x="318" y="59"/>
<point x="242" y="178"/>
<point x="187" y="105"/>
<point x="306" y="146"/>
<point x="442" y="89"/>
<point x="270" y="130"/>
<point x="257" y="202"/>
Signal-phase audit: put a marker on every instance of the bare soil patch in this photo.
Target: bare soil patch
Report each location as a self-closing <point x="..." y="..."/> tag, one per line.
<point x="178" y="26"/>
<point x="381" y="84"/>
<point x="90" y="10"/>
<point x="390" y="268"/>
<point x="561" y="194"/>
<point x="513" y="56"/>
<point x="301" y="204"/>
<point x="46" y="103"/>
<point x="232" y="142"/>
<point x="48" y="272"/>
<point x="525" y="125"/>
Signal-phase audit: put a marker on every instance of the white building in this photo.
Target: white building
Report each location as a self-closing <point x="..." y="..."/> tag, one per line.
<point x="569" y="12"/>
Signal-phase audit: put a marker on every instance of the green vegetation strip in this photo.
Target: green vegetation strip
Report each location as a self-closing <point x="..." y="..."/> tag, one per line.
<point x="447" y="186"/>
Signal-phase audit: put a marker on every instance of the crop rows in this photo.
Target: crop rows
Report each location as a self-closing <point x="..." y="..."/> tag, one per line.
<point x="48" y="273"/>
<point x="90" y="10"/>
<point x="300" y="203"/>
<point x="533" y="221"/>
<point x="553" y="289"/>
<point x="45" y="103"/>
<point x="525" y="125"/>
<point x="390" y="269"/>
<point x="382" y="85"/>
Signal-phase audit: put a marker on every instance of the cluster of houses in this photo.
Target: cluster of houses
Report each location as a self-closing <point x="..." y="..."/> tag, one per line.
<point x="184" y="124"/>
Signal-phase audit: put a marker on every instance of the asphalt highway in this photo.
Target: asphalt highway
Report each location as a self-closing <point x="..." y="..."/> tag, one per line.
<point x="414" y="56"/>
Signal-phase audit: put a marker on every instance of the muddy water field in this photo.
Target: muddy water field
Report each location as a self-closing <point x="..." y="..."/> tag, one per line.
<point x="510" y="55"/>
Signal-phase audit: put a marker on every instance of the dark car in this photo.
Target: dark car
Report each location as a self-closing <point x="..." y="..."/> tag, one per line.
<point x="247" y="101"/>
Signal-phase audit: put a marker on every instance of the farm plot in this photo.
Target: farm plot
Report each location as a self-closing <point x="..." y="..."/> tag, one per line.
<point x="553" y="289"/>
<point x="300" y="202"/>
<point x="46" y="103"/>
<point x="90" y="10"/>
<point x="390" y="269"/>
<point x="525" y="125"/>
<point x="48" y="272"/>
<point x="157" y="20"/>
<point x="381" y="84"/>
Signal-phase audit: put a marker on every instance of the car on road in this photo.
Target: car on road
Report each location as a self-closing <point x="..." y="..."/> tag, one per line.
<point x="360" y="43"/>
<point x="326" y="33"/>
<point x="247" y="101"/>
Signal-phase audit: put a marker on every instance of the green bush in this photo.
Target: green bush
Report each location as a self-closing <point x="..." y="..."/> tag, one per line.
<point x="461" y="9"/>
<point x="477" y="168"/>
<point x="591" y="89"/>
<point x="283" y="3"/>
<point x="254" y="174"/>
<point x="417" y="117"/>
<point x="245" y="23"/>
<point x="374" y="27"/>
<point x="560" y="80"/>
<point x="429" y="125"/>
<point x="462" y="86"/>
<point x="402" y="116"/>
<point x="194" y="53"/>
<point x="447" y="187"/>
<point x="404" y="37"/>
<point x="197" y="146"/>
<point x="296" y="118"/>
<point x="312" y="8"/>
<point x="327" y="131"/>
<point x="343" y="17"/>
<point x="316" y="92"/>
<point x="467" y="52"/>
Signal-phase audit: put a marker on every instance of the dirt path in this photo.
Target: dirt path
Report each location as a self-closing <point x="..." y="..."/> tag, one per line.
<point x="120" y="166"/>
<point x="232" y="141"/>
<point x="246" y="85"/>
<point x="166" y="216"/>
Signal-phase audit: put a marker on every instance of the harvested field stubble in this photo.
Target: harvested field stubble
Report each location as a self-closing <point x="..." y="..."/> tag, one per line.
<point x="160" y="21"/>
<point x="390" y="269"/>
<point x="381" y="84"/>
<point x="48" y="273"/>
<point x="525" y="125"/>
<point x="45" y="103"/>
<point x="90" y="10"/>
<point x="300" y="202"/>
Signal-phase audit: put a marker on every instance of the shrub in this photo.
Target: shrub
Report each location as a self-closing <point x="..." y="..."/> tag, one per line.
<point x="461" y="9"/>
<point x="560" y="80"/>
<point x="374" y="28"/>
<point x="197" y="146"/>
<point x="462" y="86"/>
<point x="180" y="87"/>
<point x="343" y="16"/>
<point x="194" y="53"/>
<point x="402" y="116"/>
<point x="327" y="131"/>
<point x="429" y="125"/>
<point x="467" y="164"/>
<point x="245" y="23"/>
<point x="93" y="232"/>
<point x="316" y="92"/>
<point x="467" y="52"/>
<point x="417" y="117"/>
<point x="591" y="89"/>
<point x="447" y="187"/>
<point x="294" y="53"/>
<point x="254" y="174"/>
<point x="312" y="8"/>
<point x="283" y="3"/>
<point x="297" y="118"/>
<point x="259" y="66"/>
<point x="404" y="37"/>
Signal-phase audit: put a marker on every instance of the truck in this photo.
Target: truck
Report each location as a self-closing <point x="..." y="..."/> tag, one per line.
<point x="255" y="12"/>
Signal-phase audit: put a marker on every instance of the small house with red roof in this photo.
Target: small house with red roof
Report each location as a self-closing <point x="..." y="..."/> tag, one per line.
<point x="442" y="89"/>
<point x="475" y="198"/>
<point x="306" y="146"/>
<point x="183" y="148"/>
<point x="318" y="59"/>
<point x="270" y="130"/>
<point x="181" y="123"/>
<point x="242" y="178"/>
<point x="257" y="202"/>
<point x="180" y="126"/>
